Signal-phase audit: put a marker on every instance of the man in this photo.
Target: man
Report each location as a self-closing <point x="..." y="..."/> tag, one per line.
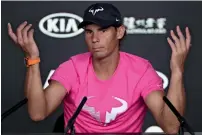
<point x="119" y="86"/>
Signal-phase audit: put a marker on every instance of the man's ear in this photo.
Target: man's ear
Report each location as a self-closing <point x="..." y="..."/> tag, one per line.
<point x="121" y="31"/>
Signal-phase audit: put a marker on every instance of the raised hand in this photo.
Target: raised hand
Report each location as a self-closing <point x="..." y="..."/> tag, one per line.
<point x="24" y="38"/>
<point x="180" y="48"/>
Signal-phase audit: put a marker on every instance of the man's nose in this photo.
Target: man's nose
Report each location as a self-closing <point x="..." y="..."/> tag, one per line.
<point x="95" y="37"/>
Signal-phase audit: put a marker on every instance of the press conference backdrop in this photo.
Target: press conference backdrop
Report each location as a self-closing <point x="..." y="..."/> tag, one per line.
<point x="58" y="38"/>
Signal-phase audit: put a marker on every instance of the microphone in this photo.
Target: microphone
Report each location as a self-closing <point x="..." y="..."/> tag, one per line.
<point x="70" y="125"/>
<point x="13" y="109"/>
<point x="183" y="123"/>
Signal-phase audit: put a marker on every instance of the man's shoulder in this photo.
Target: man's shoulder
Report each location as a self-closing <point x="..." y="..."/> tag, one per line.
<point x="81" y="56"/>
<point x="135" y="59"/>
<point x="81" y="61"/>
<point x="77" y="59"/>
<point x="136" y="65"/>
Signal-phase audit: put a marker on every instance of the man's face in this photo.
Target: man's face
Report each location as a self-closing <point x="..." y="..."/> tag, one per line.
<point x="102" y="42"/>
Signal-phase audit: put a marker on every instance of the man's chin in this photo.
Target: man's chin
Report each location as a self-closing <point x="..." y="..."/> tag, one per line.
<point x="99" y="55"/>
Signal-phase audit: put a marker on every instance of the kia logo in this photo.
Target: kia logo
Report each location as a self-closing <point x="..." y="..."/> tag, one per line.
<point x="61" y="25"/>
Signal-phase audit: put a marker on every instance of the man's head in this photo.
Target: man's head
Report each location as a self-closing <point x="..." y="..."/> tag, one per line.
<point x="103" y="29"/>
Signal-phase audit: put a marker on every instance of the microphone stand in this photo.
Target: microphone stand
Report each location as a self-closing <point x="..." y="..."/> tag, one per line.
<point x="13" y="109"/>
<point x="183" y="122"/>
<point x="70" y="125"/>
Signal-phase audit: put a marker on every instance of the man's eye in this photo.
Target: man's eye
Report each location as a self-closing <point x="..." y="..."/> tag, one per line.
<point x="88" y="32"/>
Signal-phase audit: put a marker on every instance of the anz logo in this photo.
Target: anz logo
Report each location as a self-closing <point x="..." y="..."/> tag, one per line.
<point x="61" y="25"/>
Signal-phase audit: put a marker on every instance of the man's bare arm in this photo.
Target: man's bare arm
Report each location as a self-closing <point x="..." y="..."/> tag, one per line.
<point x="40" y="102"/>
<point x="176" y="93"/>
<point x="161" y="112"/>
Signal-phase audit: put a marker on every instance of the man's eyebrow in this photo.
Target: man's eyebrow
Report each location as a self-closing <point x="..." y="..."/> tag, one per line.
<point x="102" y="28"/>
<point x="86" y="29"/>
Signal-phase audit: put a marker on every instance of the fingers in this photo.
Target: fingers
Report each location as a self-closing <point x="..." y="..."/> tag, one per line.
<point x="182" y="40"/>
<point x="24" y="34"/>
<point x="22" y="37"/>
<point x="11" y="34"/>
<point x="172" y="45"/>
<point x="19" y="33"/>
<point x="177" y="42"/>
<point x="188" y="38"/>
<point x="30" y="35"/>
<point x="180" y="44"/>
